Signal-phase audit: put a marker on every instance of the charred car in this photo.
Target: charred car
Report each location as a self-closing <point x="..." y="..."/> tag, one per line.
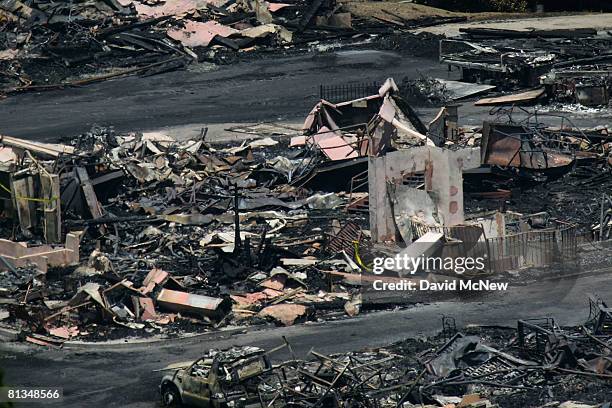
<point x="219" y="379"/>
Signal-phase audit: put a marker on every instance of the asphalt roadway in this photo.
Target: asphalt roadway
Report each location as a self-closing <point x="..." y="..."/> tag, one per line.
<point x="268" y="89"/>
<point x="260" y="90"/>
<point x="97" y="376"/>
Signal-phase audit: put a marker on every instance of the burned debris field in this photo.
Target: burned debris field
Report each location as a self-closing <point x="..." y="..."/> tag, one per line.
<point x="482" y="366"/>
<point x="305" y="204"/>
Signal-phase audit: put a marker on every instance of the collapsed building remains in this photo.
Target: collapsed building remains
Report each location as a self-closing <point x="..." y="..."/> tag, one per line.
<point x="536" y="364"/>
<point x="51" y="45"/>
<point x="144" y="233"/>
<point x="567" y="66"/>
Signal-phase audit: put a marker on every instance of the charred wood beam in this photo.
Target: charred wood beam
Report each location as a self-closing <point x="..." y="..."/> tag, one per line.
<point x="115" y="30"/>
<point x="309" y="14"/>
<point x="113" y="220"/>
<point x="39" y="88"/>
<point x="557" y="33"/>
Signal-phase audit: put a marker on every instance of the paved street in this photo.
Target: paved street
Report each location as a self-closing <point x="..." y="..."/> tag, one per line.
<point x="100" y="377"/>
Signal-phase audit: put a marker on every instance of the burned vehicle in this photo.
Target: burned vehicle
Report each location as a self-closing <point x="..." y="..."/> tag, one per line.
<point x="218" y="379"/>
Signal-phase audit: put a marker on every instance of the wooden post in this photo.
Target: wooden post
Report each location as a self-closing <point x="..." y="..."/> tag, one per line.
<point x="50" y="186"/>
<point x="22" y="187"/>
<point x="90" y="196"/>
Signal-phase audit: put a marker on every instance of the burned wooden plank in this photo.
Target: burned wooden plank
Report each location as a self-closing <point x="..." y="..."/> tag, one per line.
<point x="309" y="14"/>
<point x="37" y="148"/>
<point x="485" y="32"/>
<point x="22" y="189"/>
<point x="512" y="99"/>
<point x="90" y="195"/>
<point x="52" y="208"/>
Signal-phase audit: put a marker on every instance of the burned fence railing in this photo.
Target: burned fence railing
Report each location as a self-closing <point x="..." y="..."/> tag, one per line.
<point x="355" y="380"/>
<point x="533" y="336"/>
<point x="348" y="92"/>
<point x="600" y="316"/>
<point x="532" y="249"/>
<point x="535" y="248"/>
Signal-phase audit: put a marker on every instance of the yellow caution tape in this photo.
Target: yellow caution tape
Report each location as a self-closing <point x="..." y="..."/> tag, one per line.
<point x="358" y="258"/>
<point x="38" y="200"/>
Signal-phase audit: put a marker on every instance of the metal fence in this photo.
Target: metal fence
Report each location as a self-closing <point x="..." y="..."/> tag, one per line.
<point x="348" y="92"/>
<point x="533" y="248"/>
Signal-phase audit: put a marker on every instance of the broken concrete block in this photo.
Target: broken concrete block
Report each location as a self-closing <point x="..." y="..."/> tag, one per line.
<point x="20" y="254"/>
<point x="287" y="314"/>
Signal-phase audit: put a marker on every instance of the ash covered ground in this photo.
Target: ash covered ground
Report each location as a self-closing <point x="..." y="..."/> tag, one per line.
<point x="198" y="179"/>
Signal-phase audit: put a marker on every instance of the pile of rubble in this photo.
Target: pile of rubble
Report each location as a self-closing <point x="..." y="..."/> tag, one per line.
<point x="157" y="235"/>
<point x="46" y="45"/>
<point x="567" y="66"/>
<point x="429" y="90"/>
<point x="187" y="230"/>
<point x="537" y="364"/>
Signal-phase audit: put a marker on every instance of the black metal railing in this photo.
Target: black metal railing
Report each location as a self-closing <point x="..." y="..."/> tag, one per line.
<point x="348" y="92"/>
